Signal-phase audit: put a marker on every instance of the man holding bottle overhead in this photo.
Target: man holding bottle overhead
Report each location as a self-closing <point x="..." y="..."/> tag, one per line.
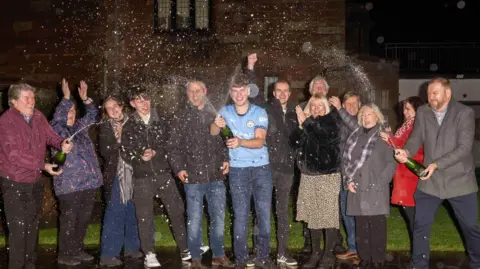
<point x="250" y="172"/>
<point x="25" y="135"/>
<point x="446" y="128"/>
<point x="200" y="161"/>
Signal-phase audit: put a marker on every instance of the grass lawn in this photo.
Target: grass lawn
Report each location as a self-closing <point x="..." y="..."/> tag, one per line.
<point x="445" y="236"/>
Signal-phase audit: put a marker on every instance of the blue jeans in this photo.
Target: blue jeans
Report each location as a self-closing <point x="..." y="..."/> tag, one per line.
<point x="119" y="226"/>
<point x="243" y="183"/>
<point x="348" y="221"/>
<point x="215" y="193"/>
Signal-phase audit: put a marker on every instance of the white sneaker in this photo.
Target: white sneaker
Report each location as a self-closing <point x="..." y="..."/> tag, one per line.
<point x="204" y="249"/>
<point x="151" y="260"/>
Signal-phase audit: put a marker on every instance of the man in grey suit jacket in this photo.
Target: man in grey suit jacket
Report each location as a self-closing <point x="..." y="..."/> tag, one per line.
<point x="446" y="129"/>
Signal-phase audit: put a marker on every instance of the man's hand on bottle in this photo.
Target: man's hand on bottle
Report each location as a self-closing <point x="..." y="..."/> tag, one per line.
<point x="183" y="176"/>
<point x="49" y="169"/>
<point x="233" y="143"/>
<point x="428" y="172"/>
<point x="401" y="155"/>
<point x="67" y="146"/>
<point x="225" y="168"/>
<point x="220" y="121"/>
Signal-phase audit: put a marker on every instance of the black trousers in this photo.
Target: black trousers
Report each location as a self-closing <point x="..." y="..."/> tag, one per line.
<point x="144" y="192"/>
<point x="409" y="215"/>
<point x="283" y="185"/>
<point x="466" y="211"/>
<point x="75" y="212"/>
<point x="23" y="206"/>
<point x="371" y="232"/>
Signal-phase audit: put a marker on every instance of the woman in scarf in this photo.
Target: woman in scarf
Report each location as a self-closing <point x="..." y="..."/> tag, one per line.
<point x="368" y="167"/>
<point x="404" y="181"/>
<point x="120" y="222"/>
<point x="318" y="159"/>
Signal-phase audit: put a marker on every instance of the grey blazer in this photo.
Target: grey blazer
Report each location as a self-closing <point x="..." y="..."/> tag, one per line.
<point x="450" y="146"/>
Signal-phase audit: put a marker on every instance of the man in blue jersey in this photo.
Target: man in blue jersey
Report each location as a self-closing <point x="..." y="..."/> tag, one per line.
<point x="250" y="172"/>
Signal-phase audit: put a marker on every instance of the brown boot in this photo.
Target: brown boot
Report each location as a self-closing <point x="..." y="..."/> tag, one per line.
<point x="223" y="262"/>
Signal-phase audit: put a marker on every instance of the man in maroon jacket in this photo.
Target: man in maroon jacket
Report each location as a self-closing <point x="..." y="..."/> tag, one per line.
<point x="24" y="136"/>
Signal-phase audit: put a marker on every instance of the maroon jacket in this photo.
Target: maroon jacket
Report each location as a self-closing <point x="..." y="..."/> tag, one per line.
<point x="23" y="145"/>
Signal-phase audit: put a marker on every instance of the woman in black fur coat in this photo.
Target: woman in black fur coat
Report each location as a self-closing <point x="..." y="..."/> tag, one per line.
<point x="318" y="158"/>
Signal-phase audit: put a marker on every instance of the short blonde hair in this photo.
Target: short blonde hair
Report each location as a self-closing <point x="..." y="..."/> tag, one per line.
<point x="317" y="97"/>
<point x="375" y="109"/>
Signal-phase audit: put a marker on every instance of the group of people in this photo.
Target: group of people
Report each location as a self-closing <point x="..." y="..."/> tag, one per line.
<point x="345" y="155"/>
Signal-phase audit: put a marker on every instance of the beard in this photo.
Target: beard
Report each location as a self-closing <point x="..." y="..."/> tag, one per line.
<point x="437" y="105"/>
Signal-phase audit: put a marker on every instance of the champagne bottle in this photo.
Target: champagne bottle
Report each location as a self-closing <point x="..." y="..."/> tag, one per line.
<point x="415" y="167"/>
<point x="59" y="160"/>
<point x="226" y="133"/>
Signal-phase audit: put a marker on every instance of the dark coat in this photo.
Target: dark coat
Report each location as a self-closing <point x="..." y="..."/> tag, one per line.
<point x="194" y="149"/>
<point x="109" y="150"/>
<point x="318" y="145"/>
<point x="23" y="145"/>
<point x="137" y="137"/>
<point x="281" y="127"/>
<point x="450" y="146"/>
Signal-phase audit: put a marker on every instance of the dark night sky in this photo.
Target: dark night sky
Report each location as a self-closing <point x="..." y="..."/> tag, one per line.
<point x="425" y="21"/>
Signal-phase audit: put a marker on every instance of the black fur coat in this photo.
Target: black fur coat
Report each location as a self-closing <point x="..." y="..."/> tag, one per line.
<point x="318" y="151"/>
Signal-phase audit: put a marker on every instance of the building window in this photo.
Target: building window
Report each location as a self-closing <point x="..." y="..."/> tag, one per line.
<point x="182" y="15"/>
<point x="385" y="99"/>
<point x="267" y="85"/>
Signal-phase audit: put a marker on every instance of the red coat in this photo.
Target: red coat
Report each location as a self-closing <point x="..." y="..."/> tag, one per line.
<point x="23" y="145"/>
<point x="404" y="181"/>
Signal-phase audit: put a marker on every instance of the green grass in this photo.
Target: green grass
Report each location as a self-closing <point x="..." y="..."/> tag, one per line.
<point x="445" y="236"/>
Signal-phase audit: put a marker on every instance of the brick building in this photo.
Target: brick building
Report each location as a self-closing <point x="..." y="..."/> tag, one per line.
<point x="108" y="42"/>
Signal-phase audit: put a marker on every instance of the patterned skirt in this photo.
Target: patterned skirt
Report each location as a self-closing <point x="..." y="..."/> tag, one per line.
<point x="318" y="201"/>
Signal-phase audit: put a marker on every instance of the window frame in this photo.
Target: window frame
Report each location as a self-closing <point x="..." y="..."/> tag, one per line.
<point x="173" y="20"/>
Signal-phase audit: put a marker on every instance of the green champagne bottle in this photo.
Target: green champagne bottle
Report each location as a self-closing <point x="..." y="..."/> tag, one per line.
<point x="415" y="167"/>
<point x="226" y="133"/>
<point x="59" y="160"/>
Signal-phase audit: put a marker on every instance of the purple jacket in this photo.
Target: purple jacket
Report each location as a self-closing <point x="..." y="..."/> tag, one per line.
<point x="81" y="170"/>
<point x="23" y="145"/>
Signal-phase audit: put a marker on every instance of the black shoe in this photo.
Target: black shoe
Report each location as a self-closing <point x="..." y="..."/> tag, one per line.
<point x="327" y="262"/>
<point x="84" y="257"/>
<point x="110" y="261"/>
<point x="240" y="266"/>
<point x="250" y="262"/>
<point x="313" y="261"/>
<point x="265" y="264"/>
<point x="136" y="254"/>
<point x="286" y="259"/>
<point x="68" y="261"/>
<point x="185" y="255"/>
<point x="364" y="264"/>
<point x="339" y="249"/>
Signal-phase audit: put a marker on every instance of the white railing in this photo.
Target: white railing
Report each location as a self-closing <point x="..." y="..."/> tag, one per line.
<point x="441" y="57"/>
